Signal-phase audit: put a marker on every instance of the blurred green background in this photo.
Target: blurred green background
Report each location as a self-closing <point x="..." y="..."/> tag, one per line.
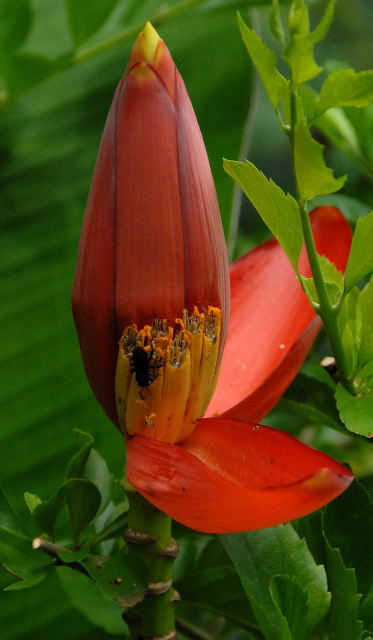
<point x="49" y="135"/>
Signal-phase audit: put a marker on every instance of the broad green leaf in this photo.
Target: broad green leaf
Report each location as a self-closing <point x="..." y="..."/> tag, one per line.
<point x="278" y="210"/>
<point x="360" y="261"/>
<point x="264" y="59"/>
<point x="84" y="21"/>
<point x="276" y="22"/>
<point x="87" y="597"/>
<point x="366" y="306"/>
<point x="22" y="70"/>
<point x="112" y="526"/>
<point x="291" y="598"/>
<point x="346" y="88"/>
<point x="259" y="556"/>
<point x="348" y="526"/>
<point x="15" y="23"/>
<point x="333" y="282"/>
<point x="356" y="412"/>
<point x="32" y="501"/>
<point x="123" y="578"/>
<point x="343" y="619"/>
<point x="96" y="470"/>
<point x="83" y="501"/>
<point x="314" y="178"/>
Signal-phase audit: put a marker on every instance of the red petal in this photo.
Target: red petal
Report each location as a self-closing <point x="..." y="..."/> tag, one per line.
<point x="270" y="328"/>
<point x="230" y="476"/>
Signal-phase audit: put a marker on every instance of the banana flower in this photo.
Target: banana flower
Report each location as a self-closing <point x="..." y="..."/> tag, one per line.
<point x="153" y="278"/>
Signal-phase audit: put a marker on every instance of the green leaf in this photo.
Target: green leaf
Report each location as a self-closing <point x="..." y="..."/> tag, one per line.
<point x="46" y="513"/>
<point x="32" y="501"/>
<point x="314" y="178"/>
<point x="123" y="578"/>
<point x="260" y="556"/>
<point x="299" y="55"/>
<point x="9" y="521"/>
<point x="343" y="619"/>
<point x="27" y="565"/>
<point x="366" y="306"/>
<point x="97" y="472"/>
<point x="83" y="501"/>
<point x="324" y="25"/>
<point x="278" y="210"/>
<point x="22" y="70"/>
<point x="348" y="526"/>
<point x="84" y="21"/>
<point x="298" y="18"/>
<point x="356" y="413"/>
<point x="346" y="88"/>
<point x="360" y="260"/>
<point x="15" y="23"/>
<point x="276" y="22"/>
<point x="88" y="598"/>
<point x="76" y="466"/>
<point x="264" y="59"/>
<point x="291" y="599"/>
<point x="333" y="281"/>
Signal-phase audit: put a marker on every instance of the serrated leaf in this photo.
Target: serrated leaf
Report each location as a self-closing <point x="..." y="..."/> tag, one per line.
<point x="360" y="260"/>
<point x="22" y="70"/>
<point x="264" y="60"/>
<point x="278" y="210"/>
<point x="88" y="598"/>
<point x="346" y="88"/>
<point x="123" y="578"/>
<point x="15" y="23"/>
<point x="366" y="308"/>
<point x="259" y="556"/>
<point x="291" y="598"/>
<point x="84" y="21"/>
<point x="32" y="501"/>
<point x="276" y="22"/>
<point x="343" y="619"/>
<point x="83" y="501"/>
<point x="314" y="178"/>
<point x="356" y="412"/>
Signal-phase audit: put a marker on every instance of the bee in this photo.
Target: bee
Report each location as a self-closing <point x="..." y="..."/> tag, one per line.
<point x="144" y="366"/>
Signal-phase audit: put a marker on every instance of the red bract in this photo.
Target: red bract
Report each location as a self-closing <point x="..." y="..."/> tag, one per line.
<point x="152" y="272"/>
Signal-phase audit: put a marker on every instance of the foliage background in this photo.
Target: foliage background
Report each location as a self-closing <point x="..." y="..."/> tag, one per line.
<point x="49" y="136"/>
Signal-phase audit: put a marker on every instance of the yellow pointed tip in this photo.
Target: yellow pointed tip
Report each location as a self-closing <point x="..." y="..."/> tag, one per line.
<point x="148" y="41"/>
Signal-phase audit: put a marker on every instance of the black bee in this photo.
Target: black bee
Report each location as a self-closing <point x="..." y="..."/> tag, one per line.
<point x="145" y="372"/>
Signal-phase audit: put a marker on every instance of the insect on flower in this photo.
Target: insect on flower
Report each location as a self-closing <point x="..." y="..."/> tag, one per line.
<point x="144" y="366"/>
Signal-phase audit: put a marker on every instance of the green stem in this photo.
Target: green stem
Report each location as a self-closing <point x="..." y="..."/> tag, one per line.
<point x="327" y="312"/>
<point x="149" y="538"/>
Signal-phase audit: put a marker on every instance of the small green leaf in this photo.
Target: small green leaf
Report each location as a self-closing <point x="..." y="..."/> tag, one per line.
<point x="22" y="70"/>
<point x="299" y="55"/>
<point x="46" y="513"/>
<point x="313" y="176"/>
<point x="26" y="564"/>
<point x="360" y="260"/>
<point x="264" y="60"/>
<point x="15" y="23"/>
<point x="333" y="282"/>
<point x="32" y="501"/>
<point x="123" y="578"/>
<point x="346" y="88"/>
<point x="9" y="521"/>
<point x="324" y="25"/>
<point x="84" y="21"/>
<point x="76" y="466"/>
<point x="86" y="596"/>
<point x="276" y="22"/>
<point x="291" y="598"/>
<point x="356" y="413"/>
<point x="278" y="210"/>
<point x="366" y="306"/>
<point x="343" y="619"/>
<point x="83" y="501"/>
<point x="97" y="472"/>
<point x="298" y="18"/>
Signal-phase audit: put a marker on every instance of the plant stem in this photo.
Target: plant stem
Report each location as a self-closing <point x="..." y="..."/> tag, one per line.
<point x="149" y="537"/>
<point x="327" y="312"/>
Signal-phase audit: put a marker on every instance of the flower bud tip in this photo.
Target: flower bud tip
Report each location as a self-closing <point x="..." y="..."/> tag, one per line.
<point x="147" y="42"/>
